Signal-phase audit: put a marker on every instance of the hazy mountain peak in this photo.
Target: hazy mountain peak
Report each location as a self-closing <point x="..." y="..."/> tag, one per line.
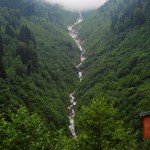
<point x="78" y="4"/>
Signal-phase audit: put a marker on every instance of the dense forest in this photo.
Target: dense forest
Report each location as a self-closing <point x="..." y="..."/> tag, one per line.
<point x="116" y="38"/>
<point x="37" y="59"/>
<point x="38" y="71"/>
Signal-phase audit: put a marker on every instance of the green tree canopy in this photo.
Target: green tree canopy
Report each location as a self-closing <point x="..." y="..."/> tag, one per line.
<point x="100" y="129"/>
<point x="23" y="131"/>
<point x="26" y="36"/>
<point x="1" y="46"/>
<point x="138" y="17"/>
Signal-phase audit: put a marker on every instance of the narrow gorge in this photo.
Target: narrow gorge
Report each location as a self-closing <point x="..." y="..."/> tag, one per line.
<point x="74" y="34"/>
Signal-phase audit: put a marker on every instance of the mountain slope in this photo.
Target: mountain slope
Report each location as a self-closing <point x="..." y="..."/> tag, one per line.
<point x="116" y="38"/>
<point x="37" y="59"/>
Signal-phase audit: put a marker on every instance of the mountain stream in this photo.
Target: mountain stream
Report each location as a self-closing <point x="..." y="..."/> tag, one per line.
<point x="74" y="34"/>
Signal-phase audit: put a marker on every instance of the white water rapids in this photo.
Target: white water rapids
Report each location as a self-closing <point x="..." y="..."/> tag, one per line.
<point x="74" y="34"/>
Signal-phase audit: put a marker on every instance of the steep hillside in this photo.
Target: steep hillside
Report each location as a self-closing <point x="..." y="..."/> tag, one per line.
<point x="38" y="71"/>
<point x="37" y="59"/>
<point x="117" y="66"/>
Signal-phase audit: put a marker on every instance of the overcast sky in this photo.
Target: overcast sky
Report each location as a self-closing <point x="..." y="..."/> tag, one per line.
<point x="79" y="4"/>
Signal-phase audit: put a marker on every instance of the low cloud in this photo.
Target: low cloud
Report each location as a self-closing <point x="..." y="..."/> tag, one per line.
<point x="79" y="4"/>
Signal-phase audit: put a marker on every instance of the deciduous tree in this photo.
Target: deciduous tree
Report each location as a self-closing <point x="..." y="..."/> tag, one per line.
<point x="100" y="129"/>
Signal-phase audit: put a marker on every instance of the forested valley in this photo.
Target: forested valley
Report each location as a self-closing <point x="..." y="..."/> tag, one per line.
<point x="38" y="71"/>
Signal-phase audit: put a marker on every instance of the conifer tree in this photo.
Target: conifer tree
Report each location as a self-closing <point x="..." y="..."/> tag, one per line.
<point x="1" y="46"/>
<point x="2" y="69"/>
